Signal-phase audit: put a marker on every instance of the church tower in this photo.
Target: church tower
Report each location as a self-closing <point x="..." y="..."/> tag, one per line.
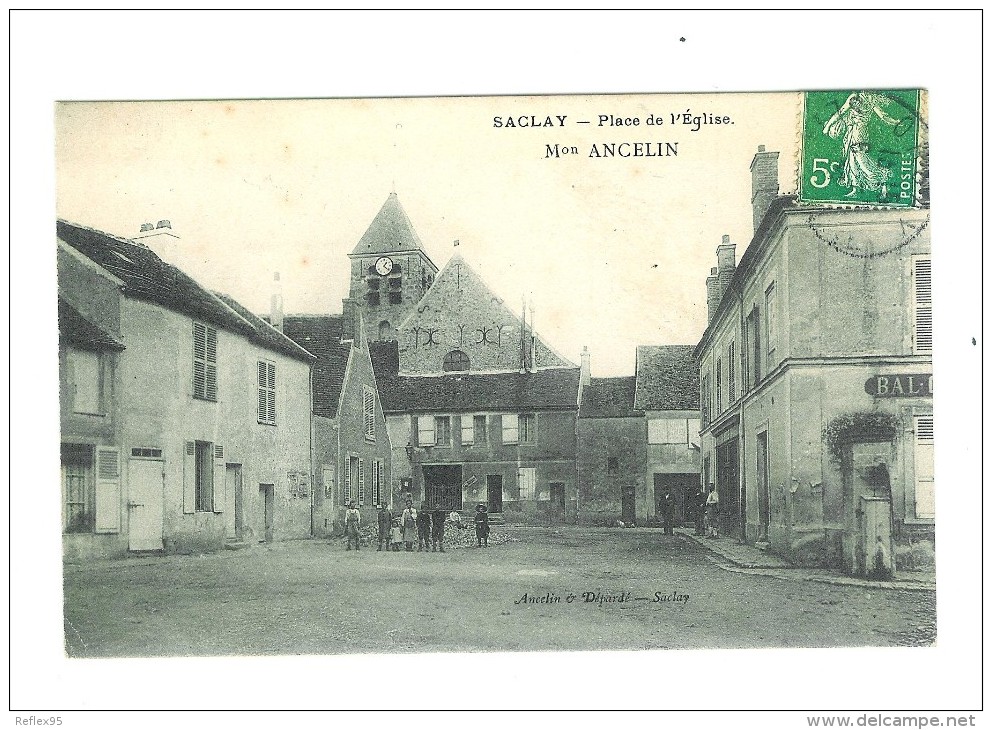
<point x="390" y="272"/>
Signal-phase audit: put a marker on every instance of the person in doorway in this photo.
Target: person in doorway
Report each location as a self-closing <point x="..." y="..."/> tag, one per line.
<point x="423" y="528"/>
<point x="667" y="504"/>
<point x="482" y="526"/>
<point x="699" y="510"/>
<point x="352" y="521"/>
<point x="409" y="525"/>
<point x="385" y="520"/>
<point x="437" y="530"/>
<point x="712" y="513"/>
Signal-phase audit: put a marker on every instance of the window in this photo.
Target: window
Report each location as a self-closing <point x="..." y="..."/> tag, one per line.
<point x="704" y="399"/>
<point x="754" y="354"/>
<point x="386" y="331"/>
<point x="719" y="387"/>
<point x="395" y="297"/>
<point x="510" y="428"/>
<point x="771" y="322"/>
<point x="373" y="298"/>
<point x="923" y="459"/>
<point x="922" y="306"/>
<point x="527" y="423"/>
<point x="456" y="361"/>
<point x="425" y="431"/>
<point x="327" y="477"/>
<point x="376" y="482"/>
<point x="480" y="429"/>
<point x="368" y="411"/>
<point x="204" y="362"/>
<point x="527" y="479"/>
<point x="612" y="466"/>
<point x="266" y="392"/>
<point x="87" y="381"/>
<point x="442" y="428"/>
<point x="79" y="511"/>
<point x="731" y="379"/>
<point x="468" y="430"/>
<point x="204" y="477"/>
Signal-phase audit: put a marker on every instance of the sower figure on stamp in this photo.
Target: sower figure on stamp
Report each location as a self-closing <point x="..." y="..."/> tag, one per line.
<point x="352" y="519"/>
<point x="385" y="520"/>
<point x="423" y="528"/>
<point x="437" y="529"/>
<point x="667" y="504"/>
<point x="482" y="526"/>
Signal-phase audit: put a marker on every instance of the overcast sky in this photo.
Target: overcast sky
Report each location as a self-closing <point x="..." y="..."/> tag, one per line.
<point x="612" y="252"/>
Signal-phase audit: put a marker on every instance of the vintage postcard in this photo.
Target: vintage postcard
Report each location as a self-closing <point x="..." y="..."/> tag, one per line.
<point x="490" y="374"/>
<point x="495" y="360"/>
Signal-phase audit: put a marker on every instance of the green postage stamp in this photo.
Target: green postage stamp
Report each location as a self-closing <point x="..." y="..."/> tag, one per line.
<point x="860" y="147"/>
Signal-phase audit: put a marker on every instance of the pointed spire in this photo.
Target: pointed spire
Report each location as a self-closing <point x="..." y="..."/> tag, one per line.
<point x="390" y="231"/>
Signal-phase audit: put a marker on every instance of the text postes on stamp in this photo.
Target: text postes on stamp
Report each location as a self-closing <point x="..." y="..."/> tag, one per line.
<point x="860" y="147"/>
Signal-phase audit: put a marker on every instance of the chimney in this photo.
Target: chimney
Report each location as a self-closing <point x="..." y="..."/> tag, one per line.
<point x="161" y="239"/>
<point x="523" y="335"/>
<point x="348" y="311"/>
<point x="725" y="263"/>
<point x="533" y="341"/>
<point x="275" y="308"/>
<point x="712" y="294"/>
<point x="585" y="368"/>
<point x="764" y="183"/>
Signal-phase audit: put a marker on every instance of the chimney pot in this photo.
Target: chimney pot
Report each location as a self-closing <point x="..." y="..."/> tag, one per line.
<point x="761" y="148"/>
<point x="726" y="238"/>
<point x="585" y="369"/>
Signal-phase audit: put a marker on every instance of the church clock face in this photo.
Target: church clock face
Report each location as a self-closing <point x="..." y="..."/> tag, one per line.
<point x="384" y="265"/>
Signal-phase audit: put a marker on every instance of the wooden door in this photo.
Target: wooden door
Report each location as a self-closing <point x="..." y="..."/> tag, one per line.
<point x="627" y="511"/>
<point x="557" y="507"/>
<point x="145" y="504"/>
<point x="235" y="504"/>
<point x="494" y="493"/>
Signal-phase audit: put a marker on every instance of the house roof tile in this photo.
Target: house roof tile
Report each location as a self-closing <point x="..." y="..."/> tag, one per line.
<point x="609" y="398"/>
<point x="667" y="378"/>
<point x="76" y="330"/>
<point x="542" y="390"/>
<point x="321" y="335"/>
<point x="148" y="278"/>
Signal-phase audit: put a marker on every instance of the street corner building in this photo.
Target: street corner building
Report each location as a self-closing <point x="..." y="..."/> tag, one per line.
<point x="638" y="439"/>
<point x="185" y="419"/>
<point x="479" y="409"/>
<point x="816" y="383"/>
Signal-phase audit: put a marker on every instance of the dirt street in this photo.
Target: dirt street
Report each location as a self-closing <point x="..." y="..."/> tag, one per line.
<point x="631" y="589"/>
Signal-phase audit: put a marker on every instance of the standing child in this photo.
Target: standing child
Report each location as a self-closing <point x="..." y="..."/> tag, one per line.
<point x="437" y="530"/>
<point x="482" y="526"/>
<point x="396" y="535"/>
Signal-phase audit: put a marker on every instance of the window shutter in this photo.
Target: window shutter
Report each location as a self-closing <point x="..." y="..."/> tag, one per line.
<point x="368" y="410"/>
<point x="468" y="429"/>
<point x="348" y="476"/>
<point x="263" y="398"/>
<point x="923" y="306"/>
<point x="923" y="457"/>
<point x="189" y="478"/>
<point x="108" y="490"/>
<point x="220" y="480"/>
<point x="271" y="406"/>
<point x="425" y="430"/>
<point x="361" y="482"/>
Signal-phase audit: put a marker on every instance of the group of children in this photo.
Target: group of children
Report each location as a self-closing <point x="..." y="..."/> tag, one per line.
<point x="423" y="526"/>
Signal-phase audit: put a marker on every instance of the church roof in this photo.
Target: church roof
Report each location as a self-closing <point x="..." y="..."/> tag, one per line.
<point x="390" y="231"/>
<point x="544" y="390"/>
<point x="667" y="378"/>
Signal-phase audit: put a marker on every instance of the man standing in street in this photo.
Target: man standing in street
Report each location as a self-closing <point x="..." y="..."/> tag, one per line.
<point x="423" y="528"/>
<point x="437" y="529"/>
<point x="667" y="504"/>
<point x="385" y="521"/>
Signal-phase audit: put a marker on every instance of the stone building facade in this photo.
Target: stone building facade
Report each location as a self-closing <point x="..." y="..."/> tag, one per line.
<point x="816" y="383"/>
